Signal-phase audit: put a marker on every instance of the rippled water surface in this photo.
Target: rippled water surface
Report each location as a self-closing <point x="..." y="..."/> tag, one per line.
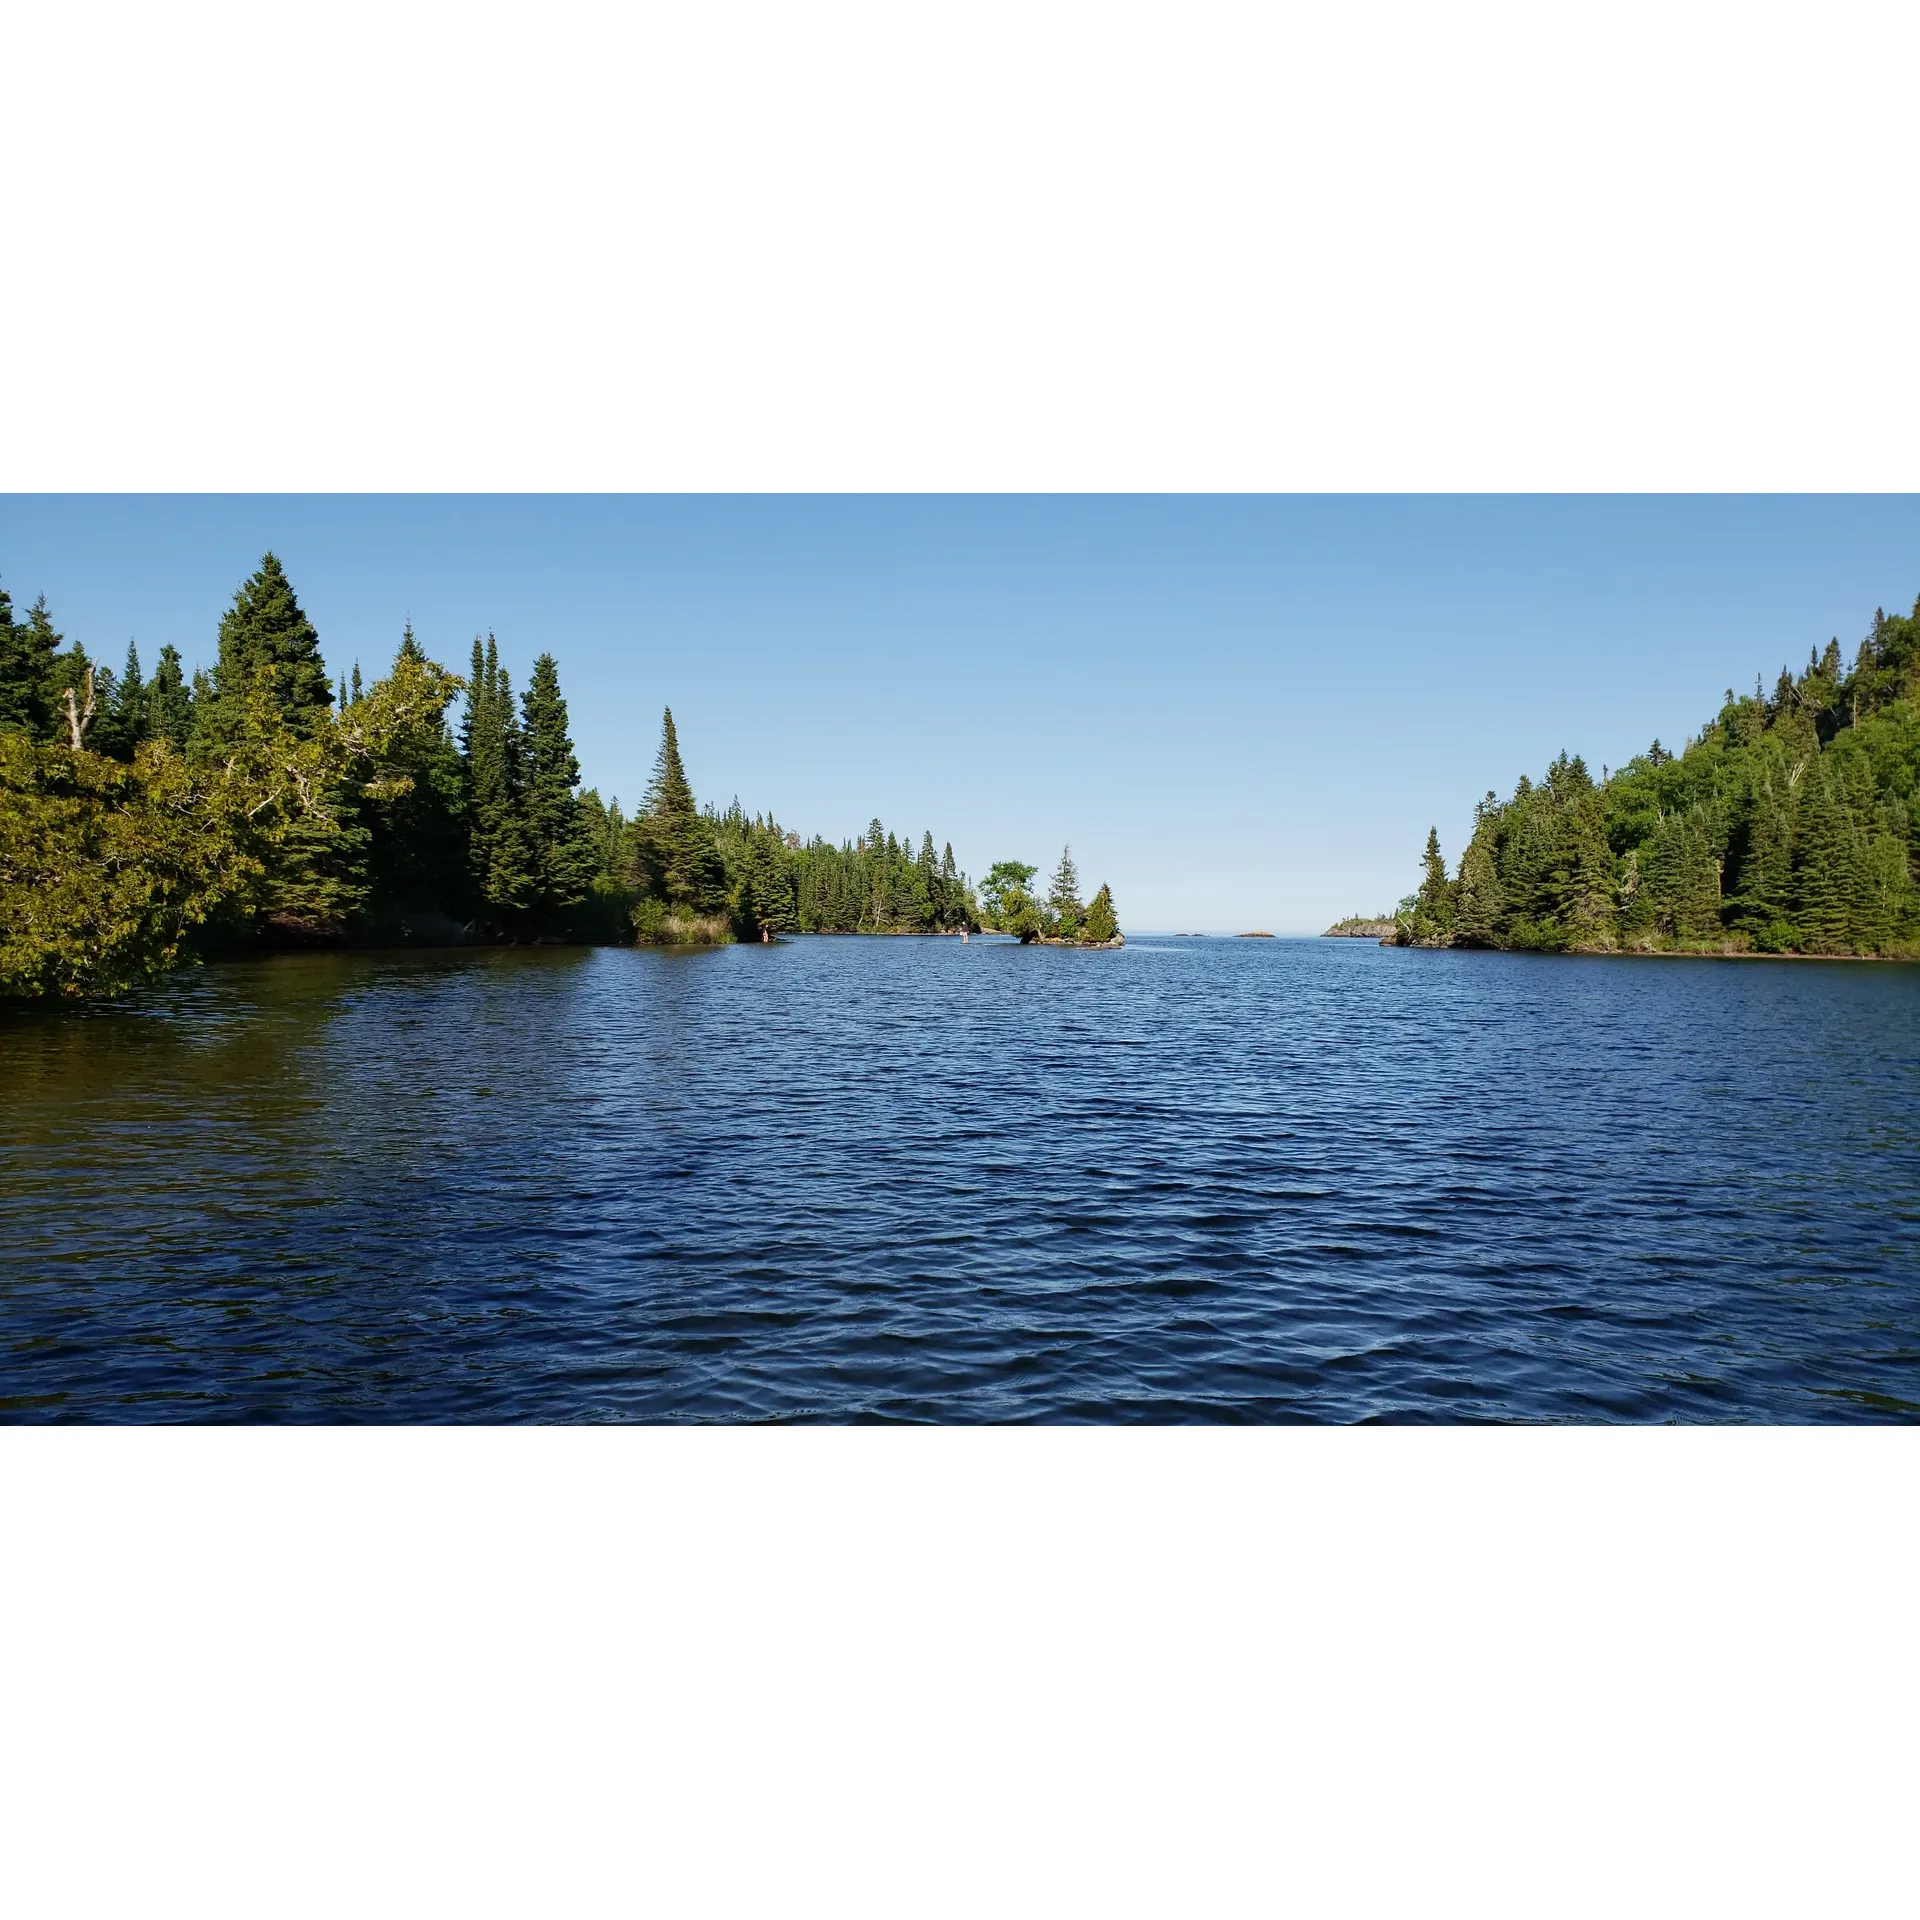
<point x="914" y="1179"/>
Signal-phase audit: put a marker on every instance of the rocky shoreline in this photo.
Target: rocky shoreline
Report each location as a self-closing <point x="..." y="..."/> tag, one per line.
<point x="1359" y="929"/>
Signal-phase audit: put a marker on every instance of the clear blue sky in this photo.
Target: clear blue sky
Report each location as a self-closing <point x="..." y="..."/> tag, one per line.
<point x="1242" y="712"/>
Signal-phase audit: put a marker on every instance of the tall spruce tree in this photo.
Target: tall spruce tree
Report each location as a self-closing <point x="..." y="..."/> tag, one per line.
<point x="1823" y="861"/>
<point x="34" y="673"/>
<point x="167" y="713"/>
<point x="1477" y="898"/>
<point x="673" y="840"/>
<point x="770" y="884"/>
<point x="564" y="858"/>
<point x="927" y="884"/>
<point x="501" y="844"/>
<point x="121" y="723"/>
<point x="1433" y="909"/>
<point x="418" y="856"/>
<point x="316" y="880"/>
<point x="953" y="891"/>
<point x="1102" y="924"/>
<point x="23" y="675"/>
<point x="1763" y="899"/>
<point x="265" y="631"/>
<point x="1063" y="895"/>
<point x="7" y="693"/>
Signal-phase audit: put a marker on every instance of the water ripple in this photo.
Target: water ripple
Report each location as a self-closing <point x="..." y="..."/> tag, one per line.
<point x="912" y="1180"/>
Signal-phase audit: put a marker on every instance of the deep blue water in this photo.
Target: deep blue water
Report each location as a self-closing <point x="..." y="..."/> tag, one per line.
<point x="851" y="1179"/>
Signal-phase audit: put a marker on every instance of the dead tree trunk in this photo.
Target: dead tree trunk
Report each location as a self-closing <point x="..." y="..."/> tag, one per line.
<point x="76" y="717"/>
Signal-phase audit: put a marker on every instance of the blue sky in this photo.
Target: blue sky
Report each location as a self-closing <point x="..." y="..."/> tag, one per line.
<point x="1242" y="712"/>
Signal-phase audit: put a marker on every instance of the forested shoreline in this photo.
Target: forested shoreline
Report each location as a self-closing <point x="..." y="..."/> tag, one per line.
<point x="147" y="822"/>
<point x="1790" y="825"/>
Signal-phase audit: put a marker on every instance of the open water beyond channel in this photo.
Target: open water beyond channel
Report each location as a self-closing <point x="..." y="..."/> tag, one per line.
<point x="850" y="1179"/>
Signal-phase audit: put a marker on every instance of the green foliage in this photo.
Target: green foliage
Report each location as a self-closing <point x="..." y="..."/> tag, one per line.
<point x="876" y="885"/>
<point x="1791" y="825"/>
<point x="1427" y="919"/>
<point x="562" y="854"/>
<point x="106" y="866"/>
<point x="265" y="631"/>
<point x="1005" y="902"/>
<point x="676" y="858"/>
<point x="31" y="678"/>
<point x="1102" y="926"/>
<point x="119" y="702"/>
<point x="415" y="804"/>
<point x="252" y="805"/>
<point x="16" y="681"/>
<point x="1063" y="898"/>
<point x="500" y="847"/>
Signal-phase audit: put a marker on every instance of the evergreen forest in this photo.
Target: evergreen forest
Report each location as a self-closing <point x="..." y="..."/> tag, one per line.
<point x="148" y="820"/>
<point x="1790" y="825"/>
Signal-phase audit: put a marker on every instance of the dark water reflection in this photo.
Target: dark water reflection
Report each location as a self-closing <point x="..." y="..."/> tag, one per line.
<point x="850" y="1179"/>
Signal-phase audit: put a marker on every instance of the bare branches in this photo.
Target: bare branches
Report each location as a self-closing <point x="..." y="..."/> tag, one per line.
<point x="77" y="718"/>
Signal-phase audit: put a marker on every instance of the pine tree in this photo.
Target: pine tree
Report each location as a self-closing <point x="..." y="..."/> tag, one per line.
<point x="1696" y="910"/>
<point x="1477" y="901"/>
<point x="167" y="713"/>
<point x="1102" y="924"/>
<point x="265" y="631"/>
<point x="26" y="669"/>
<point x="1764" y="893"/>
<point x="931" y="901"/>
<point x="500" y="847"/>
<point x="1823" y="880"/>
<point x="1063" y="896"/>
<point x="37" y="674"/>
<point x="564" y="859"/>
<point x="1878" y="885"/>
<point x="12" y="680"/>
<point x="879" y="914"/>
<point x="770" y="885"/>
<point x="122" y="719"/>
<point x="673" y="840"/>
<point x="317" y="878"/>
<point x="1433" y="905"/>
<point x="418" y="858"/>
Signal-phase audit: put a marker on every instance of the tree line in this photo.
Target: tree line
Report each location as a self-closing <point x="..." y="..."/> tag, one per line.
<point x="1057" y="917"/>
<point x="144" y="821"/>
<point x="1790" y="825"/>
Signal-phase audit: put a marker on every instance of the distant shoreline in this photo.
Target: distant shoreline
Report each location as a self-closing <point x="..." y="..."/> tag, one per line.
<point x="1671" y="953"/>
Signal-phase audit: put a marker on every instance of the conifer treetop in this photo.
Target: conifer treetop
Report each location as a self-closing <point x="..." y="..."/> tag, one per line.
<point x="669" y="794"/>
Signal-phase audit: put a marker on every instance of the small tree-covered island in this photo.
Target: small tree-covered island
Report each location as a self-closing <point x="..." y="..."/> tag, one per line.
<point x="1791" y="825"/>
<point x="145" y="823"/>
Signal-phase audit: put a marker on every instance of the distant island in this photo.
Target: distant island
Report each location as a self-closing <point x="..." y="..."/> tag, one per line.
<point x="1357" y="927"/>
<point x="1789" y="825"/>
<point x="145" y="823"/>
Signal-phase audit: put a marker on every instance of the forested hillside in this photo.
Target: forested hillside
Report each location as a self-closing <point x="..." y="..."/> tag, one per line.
<point x="143" y="820"/>
<point x="1790" y="825"/>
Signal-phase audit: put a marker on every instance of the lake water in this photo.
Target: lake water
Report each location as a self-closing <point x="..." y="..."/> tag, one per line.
<point x="853" y="1179"/>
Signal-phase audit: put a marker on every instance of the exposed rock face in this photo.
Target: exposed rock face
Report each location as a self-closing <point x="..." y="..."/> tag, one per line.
<point x="1360" y="930"/>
